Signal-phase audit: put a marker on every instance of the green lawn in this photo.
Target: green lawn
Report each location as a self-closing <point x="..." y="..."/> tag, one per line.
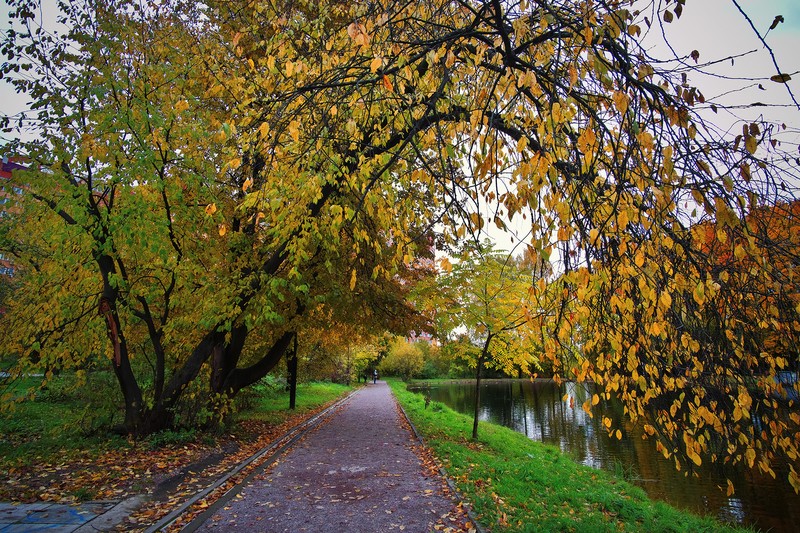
<point x="516" y="484"/>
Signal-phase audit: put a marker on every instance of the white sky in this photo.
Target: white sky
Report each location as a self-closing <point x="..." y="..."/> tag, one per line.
<point x="714" y="27"/>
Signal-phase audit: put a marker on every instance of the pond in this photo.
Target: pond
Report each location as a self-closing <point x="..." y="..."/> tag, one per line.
<point x="538" y="409"/>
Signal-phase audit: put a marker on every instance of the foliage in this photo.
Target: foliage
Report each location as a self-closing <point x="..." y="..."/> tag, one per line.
<point x="60" y="420"/>
<point x="140" y="246"/>
<point x="405" y="359"/>
<point x="516" y="484"/>
<point x="485" y="294"/>
<point x="436" y="361"/>
<point x="337" y="351"/>
<point x="206" y="176"/>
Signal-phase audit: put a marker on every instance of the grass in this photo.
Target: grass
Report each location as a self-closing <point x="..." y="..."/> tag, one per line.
<point x="53" y="424"/>
<point x="515" y="484"/>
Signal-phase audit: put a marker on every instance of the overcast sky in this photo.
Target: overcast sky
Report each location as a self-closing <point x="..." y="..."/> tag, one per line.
<point x="713" y="27"/>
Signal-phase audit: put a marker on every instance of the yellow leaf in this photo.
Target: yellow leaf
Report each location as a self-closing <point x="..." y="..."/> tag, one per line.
<point x="699" y="293"/>
<point x="294" y="130"/>
<point x="695" y="457"/>
<point x="587" y="34"/>
<point x="289" y="69"/>
<point x="211" y="209"/>
<point x="450" y="60"/>
<point x="387" y="83"/>
<point x="375" y="65"/>
<point x="655" y="329"/>
<point x="181" y="106"/>
<point x="222" y="230"/>
<point x="665" y="300"/>
<point x="750" y="456"/>
<point x="247" y="184"/>
<point x="751" y="144"/>
<point x="730" y="490"/>
<point x="620" y="101"/>
<point x="595" y="399"/>
<point x="234" y="163"/>
<point x="619" y="435"/>
<point x="353" y="280"/>
<point x="794" y="479"/>
<point x="622" y="219"/>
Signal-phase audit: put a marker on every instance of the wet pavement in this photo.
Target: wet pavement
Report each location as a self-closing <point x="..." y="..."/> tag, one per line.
<point x="66" y="518"/>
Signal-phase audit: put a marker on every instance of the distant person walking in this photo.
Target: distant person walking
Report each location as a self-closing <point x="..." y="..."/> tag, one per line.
<point x="375" y="376"/>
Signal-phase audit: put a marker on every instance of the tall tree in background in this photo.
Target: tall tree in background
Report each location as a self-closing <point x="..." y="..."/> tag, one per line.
<point x="213" y="170"/>
<point x="485" y="294"/>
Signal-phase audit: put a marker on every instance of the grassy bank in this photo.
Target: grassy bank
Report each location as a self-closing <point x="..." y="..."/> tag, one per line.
<point x="515" y="484"/>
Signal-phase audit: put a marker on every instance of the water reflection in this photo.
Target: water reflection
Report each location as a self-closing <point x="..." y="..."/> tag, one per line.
<point x="553" y="414"/>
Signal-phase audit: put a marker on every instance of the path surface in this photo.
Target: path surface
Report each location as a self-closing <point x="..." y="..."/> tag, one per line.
<point x="358" y="472"/>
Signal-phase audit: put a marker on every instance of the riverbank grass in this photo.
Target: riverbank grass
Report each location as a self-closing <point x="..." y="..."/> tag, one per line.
<point x="516" y="484"/>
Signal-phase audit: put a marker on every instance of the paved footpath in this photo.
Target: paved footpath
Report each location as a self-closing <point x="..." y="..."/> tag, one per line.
<point x="356" y="473"/>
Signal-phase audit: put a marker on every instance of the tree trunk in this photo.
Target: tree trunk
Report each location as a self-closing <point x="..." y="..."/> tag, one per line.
<point x="240" y="378"/>
<point x="225" y="357"/>
<point x="291" y="365"/>
<point x="121" y="364"/>
<point x="478" y="367"/>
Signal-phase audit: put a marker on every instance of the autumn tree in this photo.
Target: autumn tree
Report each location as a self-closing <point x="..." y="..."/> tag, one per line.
<point x="485" y="294"/>
<point x="404" y="359"/>
<point x="209" y="171"/>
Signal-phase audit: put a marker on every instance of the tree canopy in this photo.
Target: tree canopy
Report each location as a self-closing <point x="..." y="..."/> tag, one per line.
<point x="206" y="174"/>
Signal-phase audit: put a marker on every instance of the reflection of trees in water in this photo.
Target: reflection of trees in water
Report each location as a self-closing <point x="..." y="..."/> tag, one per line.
<point x="553" y="414"/>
